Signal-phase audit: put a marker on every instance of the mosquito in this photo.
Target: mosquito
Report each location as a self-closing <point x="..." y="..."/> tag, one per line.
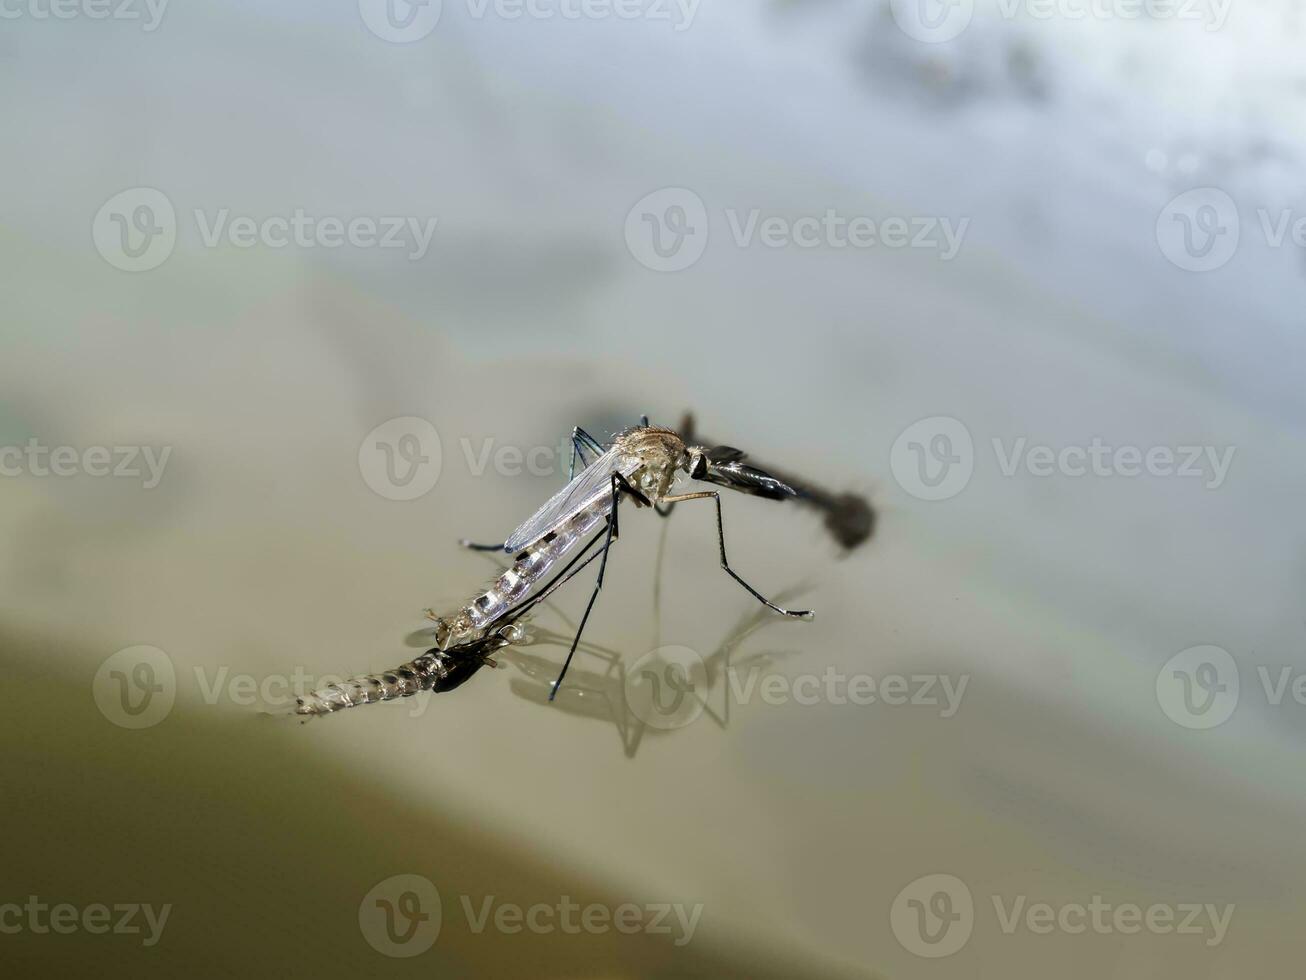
<point x="641" y="462"/>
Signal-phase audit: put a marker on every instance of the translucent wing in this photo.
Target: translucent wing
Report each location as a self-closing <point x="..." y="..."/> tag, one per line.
<point x="594" y="482"/>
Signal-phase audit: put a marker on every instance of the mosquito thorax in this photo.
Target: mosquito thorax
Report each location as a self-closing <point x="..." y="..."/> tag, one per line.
<point x="660" y="452"/>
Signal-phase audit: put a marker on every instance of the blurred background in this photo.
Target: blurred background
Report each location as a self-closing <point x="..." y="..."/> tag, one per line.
<point x="295" y="298"/>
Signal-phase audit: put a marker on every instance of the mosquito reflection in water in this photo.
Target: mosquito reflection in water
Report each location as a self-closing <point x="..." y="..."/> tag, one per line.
<point x="683" y="688"/>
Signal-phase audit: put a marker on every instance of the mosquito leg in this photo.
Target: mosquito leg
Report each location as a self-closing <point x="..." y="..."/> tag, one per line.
<point x="576" y="451"/>
<point x="580" y="441"/>
<point x="657" y="581"/>
<point x="721" y="540"/>
<point x="619" y="485"/>
<point x="473" y="546"/>
<point x="603" y="563"/>
<point x="577" y="448"/>
<point x="625" y="486"/>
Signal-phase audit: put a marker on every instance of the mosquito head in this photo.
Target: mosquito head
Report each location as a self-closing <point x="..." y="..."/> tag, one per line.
<point x="725" y="466"/>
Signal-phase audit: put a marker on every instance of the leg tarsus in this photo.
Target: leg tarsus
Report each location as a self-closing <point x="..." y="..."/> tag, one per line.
<point x="725" y="563"/>
<point x="575" y="450"/>
<point x="473" y="546"/>
<point x="580" y="441"/>
<point x="594" y="444"/>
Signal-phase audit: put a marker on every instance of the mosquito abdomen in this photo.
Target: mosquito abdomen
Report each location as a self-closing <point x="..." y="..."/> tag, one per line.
<point x="484" y="610"/>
